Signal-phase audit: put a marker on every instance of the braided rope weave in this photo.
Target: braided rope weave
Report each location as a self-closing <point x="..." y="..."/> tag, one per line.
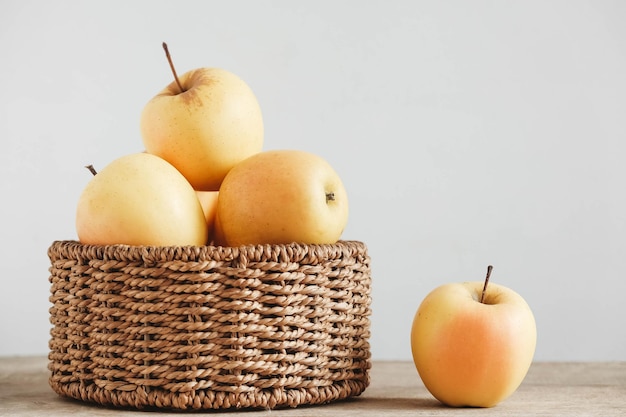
<point x="209" y="327"/>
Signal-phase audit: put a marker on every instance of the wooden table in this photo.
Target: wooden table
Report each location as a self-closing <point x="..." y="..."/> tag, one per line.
<point x="550" y="389"/>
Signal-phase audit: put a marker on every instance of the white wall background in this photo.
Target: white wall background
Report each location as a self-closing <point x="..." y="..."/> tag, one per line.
<point x="466" y="132"/>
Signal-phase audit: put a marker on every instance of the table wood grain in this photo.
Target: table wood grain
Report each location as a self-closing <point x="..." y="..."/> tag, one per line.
<point x="550" y="389"/>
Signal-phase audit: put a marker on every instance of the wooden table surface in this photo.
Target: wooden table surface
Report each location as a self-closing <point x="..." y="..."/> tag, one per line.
<point x="550" y="389"/>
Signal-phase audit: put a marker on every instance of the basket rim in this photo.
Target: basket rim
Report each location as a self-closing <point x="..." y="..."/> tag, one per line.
<point x="292" y="252"/>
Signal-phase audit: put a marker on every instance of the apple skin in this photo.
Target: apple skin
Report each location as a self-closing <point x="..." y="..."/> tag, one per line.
<point x="217" y="237"/>
<point x="469" y="353"/>
<point x="208" y="201"/>
<point x="140" y="199"/>
<point x="282" y="196"/>
<point x="205" y="130"/>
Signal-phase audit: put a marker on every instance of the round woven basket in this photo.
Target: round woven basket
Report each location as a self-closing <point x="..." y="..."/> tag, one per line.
<point x="209" y="327"/>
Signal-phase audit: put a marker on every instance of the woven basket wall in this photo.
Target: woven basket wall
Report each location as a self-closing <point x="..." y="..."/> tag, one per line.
<point x="209" y="327"/>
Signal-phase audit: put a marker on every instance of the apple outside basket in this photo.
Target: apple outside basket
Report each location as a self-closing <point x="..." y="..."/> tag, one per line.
<point x="210" y="327"/>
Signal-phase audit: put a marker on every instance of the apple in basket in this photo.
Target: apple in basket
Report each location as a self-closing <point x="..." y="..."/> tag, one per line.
<point x="140" y="199"/>
<point x="282" y="196"/>
<point x="473" y="343"/>
<point x="203" y="123"/>
<point x="208" y="201"/>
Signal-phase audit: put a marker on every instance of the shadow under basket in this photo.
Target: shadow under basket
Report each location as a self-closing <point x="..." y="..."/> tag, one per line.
<point x="209" y="327"/>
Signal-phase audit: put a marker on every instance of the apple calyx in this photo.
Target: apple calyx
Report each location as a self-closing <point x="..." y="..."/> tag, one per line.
<point x="482" y="296"/>
<point x="169" y="60"/>
<point x="330" y="197"/>
<point x="91" y="169"/>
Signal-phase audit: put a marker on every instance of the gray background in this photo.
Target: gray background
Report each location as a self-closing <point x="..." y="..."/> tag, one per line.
<point x="466" y="133"/>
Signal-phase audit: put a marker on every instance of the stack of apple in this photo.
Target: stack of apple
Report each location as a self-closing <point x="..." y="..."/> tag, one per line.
<point x="204" y="177"/>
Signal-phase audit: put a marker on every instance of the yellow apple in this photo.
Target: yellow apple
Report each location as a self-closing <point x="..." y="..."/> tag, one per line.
<point x="217" y="237"/>
<point x="140" y="199"/>
<point x="282" y="196"/>
<point x="203" y="123"/>
<point x="208" y="201"/>
<point x="470" y="352"/>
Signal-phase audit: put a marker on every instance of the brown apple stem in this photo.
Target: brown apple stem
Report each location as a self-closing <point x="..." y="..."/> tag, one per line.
<point x="169" y="59"/>
<point x="482" y="296"/>
<point x="330" y="197"/>
<point x="91" y="169"/>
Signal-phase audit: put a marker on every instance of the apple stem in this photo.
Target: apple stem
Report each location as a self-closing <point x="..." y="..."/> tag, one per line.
<point x="330" y="197"/>
<point x="91" y="169"/>
<point x="169" y="59"/>
<point x="482" y="296"/>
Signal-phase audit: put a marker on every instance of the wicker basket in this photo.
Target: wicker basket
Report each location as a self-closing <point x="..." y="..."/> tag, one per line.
<point x="209" y="327"/>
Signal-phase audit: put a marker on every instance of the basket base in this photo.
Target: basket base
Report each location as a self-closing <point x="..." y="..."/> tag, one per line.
<point x="152" y="398"/>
